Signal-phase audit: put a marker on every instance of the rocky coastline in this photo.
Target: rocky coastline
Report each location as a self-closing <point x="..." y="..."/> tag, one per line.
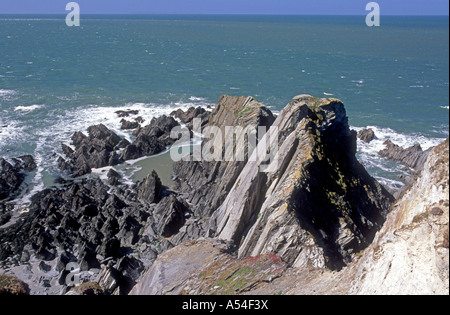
<point x="319" y="211"/>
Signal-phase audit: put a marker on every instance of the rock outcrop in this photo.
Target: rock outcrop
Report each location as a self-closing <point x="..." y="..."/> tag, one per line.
<point x="366" y="135"/>
<point x="111" y="233"/>
<point x="206" y="184"/>
<point x="410" y="255"/>
<point x="320" y="207"/>
<point x="13" y="174"/>
<point x="97" y="150"/>
<point x="151" y="139"/>
<point x="413" y="157"/>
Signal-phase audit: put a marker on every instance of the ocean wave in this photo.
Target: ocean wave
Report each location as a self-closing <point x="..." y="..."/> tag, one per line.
<point x="27" y="109"/>
<point x="8" y="131"/>
<point x="5" y="93"/>
<point x="445" y="107"/>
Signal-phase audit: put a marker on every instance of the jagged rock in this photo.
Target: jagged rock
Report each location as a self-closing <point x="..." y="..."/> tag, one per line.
<point x="110" y="248"/>
<point x="113" y="177"/>
<point x="151" y="139"/>
<point x="413" y="157"/>
<point x="366" y="135"/>
<point x="188" y="116"/>
<point x="129" y="230"/>
<point x="143" y="146"/>
<point x="127" y="125"/>
<point x="5" y="213"/>
<point x="131" y="269"/>
<point x="13" y="175"/>
<point x="409" y="255"/>
<point x="170" y="216"/>
<point x="150" y="189"/>
<point x="206" y="184"/>
<point x="320" y="206"/>
<point x="94" y="151"/>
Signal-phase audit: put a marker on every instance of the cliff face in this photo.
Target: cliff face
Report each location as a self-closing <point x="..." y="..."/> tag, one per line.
<point x="320" y="207"/>
<point x="205" y="184"/>
<point x="410" y="255"/>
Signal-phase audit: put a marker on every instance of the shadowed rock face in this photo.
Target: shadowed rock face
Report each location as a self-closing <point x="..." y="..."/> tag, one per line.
<point x="320" y="207"/>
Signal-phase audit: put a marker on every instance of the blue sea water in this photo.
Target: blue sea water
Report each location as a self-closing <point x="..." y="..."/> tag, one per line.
<point x="56" y="79"/>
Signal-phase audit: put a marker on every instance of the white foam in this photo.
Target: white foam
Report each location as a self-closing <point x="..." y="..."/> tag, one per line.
<point x="9" y="132"/>
<point x="27" y="109"/>
<point x="445" y="107"/>
<point x="382" y="168"/>
<point x="328" y="94"/>
<point x="403" y="140"/>
<point x="196" y="99"/>
<point x="5" y="93"/>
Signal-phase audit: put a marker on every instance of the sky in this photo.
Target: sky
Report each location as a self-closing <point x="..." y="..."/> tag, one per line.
<point x="290" y="7"/>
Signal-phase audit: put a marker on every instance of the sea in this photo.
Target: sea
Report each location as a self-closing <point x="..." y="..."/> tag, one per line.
<point x="55" y="79"/>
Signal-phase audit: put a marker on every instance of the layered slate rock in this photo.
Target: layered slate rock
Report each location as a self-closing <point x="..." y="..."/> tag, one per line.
<point x="414" y="157"/>
<point x="187" y="117"/>
<point x="98" y="149"/>
<point x="206" y="184"/>
<point x="320" y="206"/>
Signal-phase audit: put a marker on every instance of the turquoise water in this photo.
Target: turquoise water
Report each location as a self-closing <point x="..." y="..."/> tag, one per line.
<point x="55" y="80"/>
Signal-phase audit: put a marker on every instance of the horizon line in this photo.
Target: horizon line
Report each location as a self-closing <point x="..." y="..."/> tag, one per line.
<point x="234" y="14"/>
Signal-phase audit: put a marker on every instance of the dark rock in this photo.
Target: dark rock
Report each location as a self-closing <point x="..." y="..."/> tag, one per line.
<point x="13" y="175"/>
<point x="127" y="125"/>
<point x="150" y="189"/>
<point x="129" y="230"/>
<point x="189" y="115"/>
<point x="5" y="213"/>
<point x="126" y="113"/>
<point x="413" y="157"/>
<point x="44" y="267"/>
<point x="131" y="268"/>
<point x="93" y="151"/>
<point x="143" y="146"/>
<point x="366" y="135"/>
<point x="139" y="120"/>
<point x="110" y="248"/>
<point x="87" y="259"/>
<point x="113" y="177"/>
<point x="170" y="216"/>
